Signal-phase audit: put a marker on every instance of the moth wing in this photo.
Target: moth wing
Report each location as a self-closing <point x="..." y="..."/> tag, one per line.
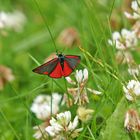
<point x="70" y="63"/>
<point x="73" y="60"/>
<point x="47" y="68"/>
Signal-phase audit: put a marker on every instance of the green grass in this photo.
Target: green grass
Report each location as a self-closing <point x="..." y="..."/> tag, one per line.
<point x="24" y="51"/>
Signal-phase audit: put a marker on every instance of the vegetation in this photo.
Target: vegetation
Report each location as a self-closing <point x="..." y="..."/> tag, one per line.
<point x="92" y="23"/>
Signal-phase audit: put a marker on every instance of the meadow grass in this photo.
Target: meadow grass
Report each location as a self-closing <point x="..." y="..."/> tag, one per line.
<point x="28" y="49"/>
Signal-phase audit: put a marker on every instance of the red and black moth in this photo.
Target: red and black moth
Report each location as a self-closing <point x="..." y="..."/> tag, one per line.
<point x="58" y="67"/>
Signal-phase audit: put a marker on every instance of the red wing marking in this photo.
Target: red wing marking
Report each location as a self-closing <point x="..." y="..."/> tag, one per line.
<point x="67" y="70"/>
<point x="57" y="72"/>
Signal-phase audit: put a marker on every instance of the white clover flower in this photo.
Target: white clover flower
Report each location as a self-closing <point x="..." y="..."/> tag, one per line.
<point x="63" y="126"/>
<point x="136" y="11"/>
<point x="132" y="90"/>
<point x="124" y="40"/>
<point x="79" y="93"/>
<point x="42" y="105"/>
<point x="14" y="20"/>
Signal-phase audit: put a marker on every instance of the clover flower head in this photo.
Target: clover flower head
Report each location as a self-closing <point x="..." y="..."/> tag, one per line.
<point x="42" y="105"/>
<point x="136" y="11"/>
<point x="132" y="90"/>
<point x="13" y="20"/>
<point x="69" y="37"/>
<point x="6" y="75"/>
<point x="79" y="92"/>
<point x="62" y="126"/>
<point x="84" y="114"/>
<point x="124" y="40"/>
<point x="132" y="120"/>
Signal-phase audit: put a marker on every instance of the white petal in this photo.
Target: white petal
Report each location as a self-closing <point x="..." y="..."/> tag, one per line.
<point x="75" y="122"/>
<point x="69" y="80"/>
<point x="137" y="89"/>
<point x="110" y="42"/>
<point x="67" y="116"/>
<point x="57" y="128"/>
<point x="94" y="91"/>
<point x="52" y="121"/>
<point x="128" y="15"/>
<point x="56" y="98"/>
<point x="125" y="89"/>
<point x="126" y="120"/>
<point x="37" y="135"/>
<point x="85" y="73"/>
<point x="116" y="36"/>
<point x="129" y="97"/>
<point x="78" y="130"/>
<point x="73" y="125"/>
<point x="134" y="5"/>
<point x="79" y="76"/>
<point x="34" y="108"/>
<point x="124" y="32"/>
<point x="50" y="130"/>
<point x="39" y="98"/>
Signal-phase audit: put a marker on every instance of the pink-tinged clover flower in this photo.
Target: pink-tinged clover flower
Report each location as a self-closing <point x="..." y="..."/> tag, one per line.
<point x="69" y="37"/>
<point x="132" y="121"/>
<point x="79" y="92"/>
<point x="6" y="75"/>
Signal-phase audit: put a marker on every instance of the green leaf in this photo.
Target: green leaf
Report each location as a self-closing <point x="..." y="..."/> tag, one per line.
<point x="114" y="129"/>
